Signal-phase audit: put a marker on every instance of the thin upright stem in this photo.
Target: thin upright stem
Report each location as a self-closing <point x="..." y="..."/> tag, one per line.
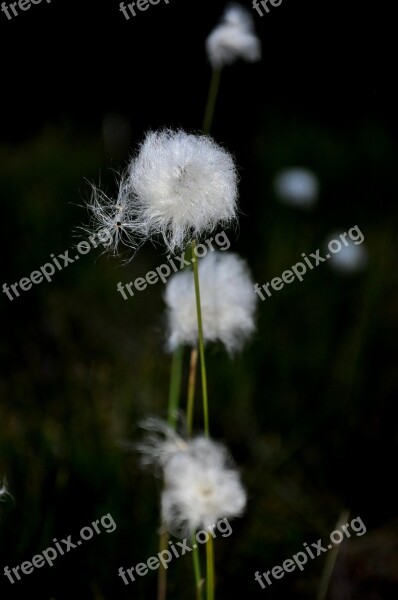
<point x="172" y="413"/>
<point x="201" y="341"/>
<point x="211" y="100"/>
<point x="175" y="384"/>
<point x="193" y="363"/>
<point x="162" y="576"/>
<point x="210" y="579"/>
<point x="196" y="568"/>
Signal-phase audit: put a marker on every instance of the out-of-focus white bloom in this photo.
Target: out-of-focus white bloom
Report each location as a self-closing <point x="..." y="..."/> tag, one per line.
<point x="184" y="186"/>
<point x="349" y="259"/>
<point x="3" y="491"/>
<point x="297" y="186"/>
<point x="201" y="484"/>
<point x="233" y="38"/>
<point x="227" y="302"/>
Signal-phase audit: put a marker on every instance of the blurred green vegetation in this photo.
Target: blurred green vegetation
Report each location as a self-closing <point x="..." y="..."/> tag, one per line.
<point x="308" y="409"/>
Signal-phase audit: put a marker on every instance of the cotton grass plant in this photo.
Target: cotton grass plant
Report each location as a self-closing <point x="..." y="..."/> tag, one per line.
<point x="179" y="187"/>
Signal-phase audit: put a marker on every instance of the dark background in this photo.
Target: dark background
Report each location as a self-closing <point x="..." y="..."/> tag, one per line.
<point x="309" y="408"/>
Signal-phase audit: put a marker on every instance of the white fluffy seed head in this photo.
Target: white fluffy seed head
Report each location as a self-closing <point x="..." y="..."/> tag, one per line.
<point x="201" y="483"/>
<point x="184" y="185"/>
<point x="350" y="259"/>
<point x="227" y="300"/>
<point x="297" y="186"/>
<point x="3" y="491"/>
<point x="200" y="487"/>
<point x="233" y="38"/>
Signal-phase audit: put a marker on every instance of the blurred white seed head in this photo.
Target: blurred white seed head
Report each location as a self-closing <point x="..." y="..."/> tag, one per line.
<point x="201" y="487"/>
<point x="184" y="186"/>
<point x="201" y="483"/>
<point x="233" y="38"/>
<point x="4" y="491"/>
<point x="297" y="186"/>
<point x="350" y="259"/>
<point x="227" y="301"/>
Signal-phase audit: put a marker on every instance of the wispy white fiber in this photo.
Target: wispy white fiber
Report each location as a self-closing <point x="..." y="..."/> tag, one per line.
<point x="111" y="220"/>
<point x="160" y="443"/>
<point x="233" y="38"/>
<point x="227" y="301"/>
<point x="297" y="186"/>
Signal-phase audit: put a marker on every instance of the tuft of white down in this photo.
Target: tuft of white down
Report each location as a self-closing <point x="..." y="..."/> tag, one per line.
<point x="227" y="301"/>
<point x="233" y="38"/>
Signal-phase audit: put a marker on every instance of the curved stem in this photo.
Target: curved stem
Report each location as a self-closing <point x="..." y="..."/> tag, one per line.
<point x="201" y="341"/>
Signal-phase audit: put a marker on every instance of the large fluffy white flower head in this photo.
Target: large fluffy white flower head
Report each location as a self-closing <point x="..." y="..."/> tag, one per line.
<point x="184" y="186"/>
<point x="233" y="38"/>
<point x="227" y="302"/>
<point x="297" y="186"/>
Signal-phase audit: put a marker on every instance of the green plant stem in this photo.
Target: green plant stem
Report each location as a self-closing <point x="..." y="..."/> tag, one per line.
<point x="162" y="576"/>
<point x="191" y="389"/>
<point x="211" y="100"/>
<point x="196" y="568"/>
<point x="175" y="384"/>
<point x="210" y="569"/>
<point x="172" y="413"/>
<point x="201" y="342"/>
